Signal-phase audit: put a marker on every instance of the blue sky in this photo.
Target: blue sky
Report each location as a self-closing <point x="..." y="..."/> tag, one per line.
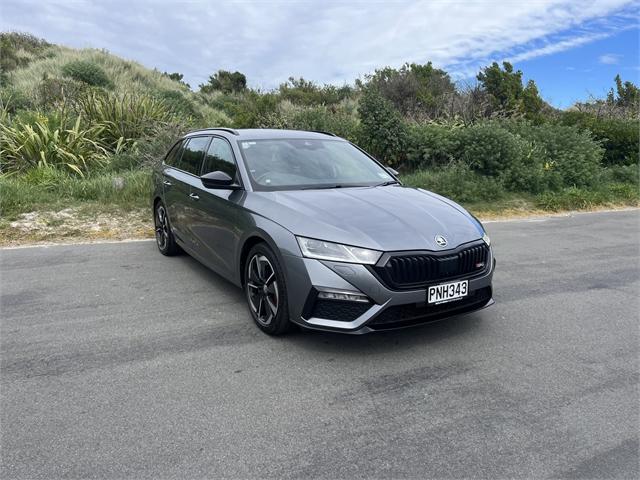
<point x="571" y="48"/>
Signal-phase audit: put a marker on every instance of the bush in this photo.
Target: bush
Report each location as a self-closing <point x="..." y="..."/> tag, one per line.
<point x="87" y="72"/>
<point x="13" y="100"/>
<point x="304" y="92"/>
<point x="382" y="131"/>
<point x="432" y="145"/>
<point x="567" y="150"/>
<point x="458" y="182"/>
<point x="51" y="92"/>
<point x="621" y="174"/>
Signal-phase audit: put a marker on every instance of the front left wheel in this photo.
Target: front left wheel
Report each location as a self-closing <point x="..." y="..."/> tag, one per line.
<point x="266" y="291"/>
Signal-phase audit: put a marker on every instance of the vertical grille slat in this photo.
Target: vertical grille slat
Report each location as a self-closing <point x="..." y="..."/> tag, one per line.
<point x="410" y="271"/>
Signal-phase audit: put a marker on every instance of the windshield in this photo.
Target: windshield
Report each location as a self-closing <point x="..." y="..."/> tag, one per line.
<point x="295" y="164"/>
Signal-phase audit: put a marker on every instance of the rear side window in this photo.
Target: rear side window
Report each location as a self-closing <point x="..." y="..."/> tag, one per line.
<point x="220" y="157"/>
<point x="174" y="154"/>
<point x="191" y="159"/>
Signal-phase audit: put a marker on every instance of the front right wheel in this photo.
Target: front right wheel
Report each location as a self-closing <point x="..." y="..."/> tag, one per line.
<point x="266" y="291"/>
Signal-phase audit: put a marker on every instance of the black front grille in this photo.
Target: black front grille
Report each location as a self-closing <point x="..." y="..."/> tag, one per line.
<point x="410" y="271"/>
<point x="406" y="315"/>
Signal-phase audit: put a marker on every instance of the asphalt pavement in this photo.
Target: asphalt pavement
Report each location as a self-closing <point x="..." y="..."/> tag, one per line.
<point x="117" y="362"/>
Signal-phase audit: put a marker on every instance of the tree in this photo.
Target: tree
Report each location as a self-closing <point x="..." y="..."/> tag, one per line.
<point x="532" y="104"/>
<point x="225" y="81"/>
<point x="628" y="95"/>
<point x="507" y="93"/>
<point x="419" y="91"/>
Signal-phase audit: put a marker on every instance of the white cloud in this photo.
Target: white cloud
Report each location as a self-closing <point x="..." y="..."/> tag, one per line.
<point x="609" y="58"/>
<point x="328" y="41"/>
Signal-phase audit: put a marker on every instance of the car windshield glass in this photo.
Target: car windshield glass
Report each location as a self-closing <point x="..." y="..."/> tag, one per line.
<point x="295" y="164"/>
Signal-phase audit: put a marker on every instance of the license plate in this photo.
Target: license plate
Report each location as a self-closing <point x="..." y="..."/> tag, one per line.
<point x="447" y="292"/>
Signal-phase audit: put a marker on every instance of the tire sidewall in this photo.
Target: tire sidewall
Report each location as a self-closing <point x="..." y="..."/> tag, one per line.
<point x="170" y="247"/>
<point x="280" y="323"/>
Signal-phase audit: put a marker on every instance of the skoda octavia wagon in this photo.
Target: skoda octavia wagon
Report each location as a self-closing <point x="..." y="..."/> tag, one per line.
<point x="317" y="232"/>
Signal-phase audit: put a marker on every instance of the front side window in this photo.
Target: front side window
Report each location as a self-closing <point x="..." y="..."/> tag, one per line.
<point x="219" y="157"/>
<point x="191" y="159"/>
<point x="294" y="164"/>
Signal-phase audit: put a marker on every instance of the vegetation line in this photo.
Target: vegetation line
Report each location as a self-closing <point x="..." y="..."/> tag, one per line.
<point x="81" y="129"/>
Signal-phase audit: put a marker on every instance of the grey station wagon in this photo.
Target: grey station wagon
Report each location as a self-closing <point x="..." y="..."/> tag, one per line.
<point x="318" y="233"/>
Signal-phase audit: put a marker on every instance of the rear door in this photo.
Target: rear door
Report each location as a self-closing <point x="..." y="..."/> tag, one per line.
<point x="178" y="180"/>
<point x="215" y="229"/>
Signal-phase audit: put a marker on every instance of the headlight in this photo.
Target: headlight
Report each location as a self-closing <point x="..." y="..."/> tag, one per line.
<point x="322" y="250"/>
<point x="486" y="239"/>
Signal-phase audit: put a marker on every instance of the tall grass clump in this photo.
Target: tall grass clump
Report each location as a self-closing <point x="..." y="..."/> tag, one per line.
<point x="44" y="143"/>
<point x="123" y="118"/>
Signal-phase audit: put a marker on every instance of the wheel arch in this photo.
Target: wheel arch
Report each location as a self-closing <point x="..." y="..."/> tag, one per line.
<point x="280" y="241"/>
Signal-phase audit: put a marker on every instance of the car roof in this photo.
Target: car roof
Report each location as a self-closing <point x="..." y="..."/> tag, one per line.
<point x="263" y="133"/>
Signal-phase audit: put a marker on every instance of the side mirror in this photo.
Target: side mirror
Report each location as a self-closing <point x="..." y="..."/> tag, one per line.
<point x="217" y="179"/>
<point x="393" y="172"/>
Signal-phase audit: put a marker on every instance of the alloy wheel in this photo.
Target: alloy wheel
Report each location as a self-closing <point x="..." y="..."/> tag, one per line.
<point x="162" y="228"/>
<point x="262" y="289"/>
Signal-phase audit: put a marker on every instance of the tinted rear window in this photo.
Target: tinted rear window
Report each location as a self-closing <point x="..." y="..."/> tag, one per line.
<point x="173" y="154"/>
<point x="191" y="159"/>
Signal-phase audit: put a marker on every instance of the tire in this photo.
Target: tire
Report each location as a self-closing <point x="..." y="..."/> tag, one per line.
<point x="165" y="240"/>
<point x="266" y="291"/>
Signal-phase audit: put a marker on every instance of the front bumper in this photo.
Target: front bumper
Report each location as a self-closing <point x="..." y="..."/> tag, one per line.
<point x="387" y="309"/>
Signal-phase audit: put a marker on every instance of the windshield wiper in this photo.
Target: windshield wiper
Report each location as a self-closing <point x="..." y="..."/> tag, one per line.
<point x="323" y="187"/>
<point x="388" y="182"/>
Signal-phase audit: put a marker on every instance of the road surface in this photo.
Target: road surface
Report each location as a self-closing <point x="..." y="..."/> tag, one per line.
<point x="117" y="362"/>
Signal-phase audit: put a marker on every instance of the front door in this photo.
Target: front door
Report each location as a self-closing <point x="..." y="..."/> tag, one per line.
<point x="215" y="224"/>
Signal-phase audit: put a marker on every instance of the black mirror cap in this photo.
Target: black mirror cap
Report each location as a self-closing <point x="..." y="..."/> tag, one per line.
<point x="393" y="172"/>
<point x="217" y="179"/>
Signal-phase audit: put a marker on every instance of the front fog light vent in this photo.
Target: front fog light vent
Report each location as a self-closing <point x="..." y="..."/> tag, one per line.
<point x="344" y="296"/>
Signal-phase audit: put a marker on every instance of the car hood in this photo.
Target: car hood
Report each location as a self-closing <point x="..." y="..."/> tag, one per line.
<point x="389" y="218"/>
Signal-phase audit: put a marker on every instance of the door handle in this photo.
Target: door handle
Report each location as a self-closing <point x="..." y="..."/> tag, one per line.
<point x="167" y="183"/>
<point x="193" y="196"/>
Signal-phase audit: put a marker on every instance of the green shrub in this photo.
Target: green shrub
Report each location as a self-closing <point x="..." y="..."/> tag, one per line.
<point x="458" y="182"/>
<point x="13" y="100"/>
<point x="304" y="92"/>
<point x="620" y="137"/>
<point x="320" y="118"/>
<point x="52" y="92"/>
<point x="567" y="150"/>
<point x="87" y="72"/>
<point x="432" y="145"/>
<point x="489" y="149"/>
<point x="621" y="174"/>
<point x="382" y="131"/>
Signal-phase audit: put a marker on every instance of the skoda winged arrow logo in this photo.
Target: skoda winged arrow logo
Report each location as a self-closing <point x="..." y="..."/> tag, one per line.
<point x="441" y="241"/>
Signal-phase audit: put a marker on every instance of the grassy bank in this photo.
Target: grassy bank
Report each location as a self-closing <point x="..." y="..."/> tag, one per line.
<point x="53" y="206"/>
